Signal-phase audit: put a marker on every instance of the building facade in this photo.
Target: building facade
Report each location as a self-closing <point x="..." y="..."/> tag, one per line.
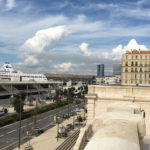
<point x="136" y="68"/>
<point x="100" y="70"/>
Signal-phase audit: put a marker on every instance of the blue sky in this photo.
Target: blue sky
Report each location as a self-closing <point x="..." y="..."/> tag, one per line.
<point x="70" y="36"/>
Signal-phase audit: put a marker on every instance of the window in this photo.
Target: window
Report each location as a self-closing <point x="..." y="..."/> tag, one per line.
<point x="126" y="76"/>
<point x="145" y="57"/>
<point x="131" y="75"/>
<point x="131" y="69"/>
<point x="140" y="82"/>
<point x="126" y="69"/>
<point x="136" y="63"/>
<point x="145" y="76"/>
<point x="136" y="57"/>
<point x="136" y="70"/>
<point x="141" y="76"/>
<point x="149" y="63"/>
<point x="141" y="70"/>
<point x="149" y="76"/>
<point x="126" y="63"/>
<point x="126" y="81"/>
<point x="141" y="64"/>
<point x="145" y="82"/>
<point x="141" y="56"/>
<point x="132" y="64"/>
<point x="131" y="81"/>
<point x="145" y="69"/>
<point x="135" y="76"/>
<point x="126" y="56"/>
<point x="145" y="63"/>
<point x="132" y="56"/>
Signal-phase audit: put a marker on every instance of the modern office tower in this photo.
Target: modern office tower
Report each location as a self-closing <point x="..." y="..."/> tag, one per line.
<point x="136" y="68"/>
<point x="100" y="70"/>
<point x="116" y="69"/>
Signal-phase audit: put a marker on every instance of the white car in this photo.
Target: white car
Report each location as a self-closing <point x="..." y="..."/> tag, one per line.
<point x="2" y="112"/>
<point x="76" y="110"/>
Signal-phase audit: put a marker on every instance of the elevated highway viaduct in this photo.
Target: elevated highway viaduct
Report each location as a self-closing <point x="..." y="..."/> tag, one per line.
<point x="11" y="88"/>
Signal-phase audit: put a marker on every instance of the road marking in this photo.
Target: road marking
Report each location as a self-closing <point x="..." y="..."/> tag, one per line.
<point x="30" y="123"/>
<point x="23" y="126"/>
<point x="1" y="136"/>
<point x="11" y="131"/>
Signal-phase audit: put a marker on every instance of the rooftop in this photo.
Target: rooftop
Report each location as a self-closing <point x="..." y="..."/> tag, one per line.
<point x="137" y="52"/>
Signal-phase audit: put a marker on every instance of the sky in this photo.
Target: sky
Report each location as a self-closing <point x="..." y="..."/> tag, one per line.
<point x="71" y="36"/>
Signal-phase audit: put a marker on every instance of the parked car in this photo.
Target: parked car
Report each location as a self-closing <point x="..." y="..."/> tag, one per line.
<point x="76" y="110"/>
<point x="37" y="130"/>
<point x="65" y="116"/>
<point x="3" y="112"/>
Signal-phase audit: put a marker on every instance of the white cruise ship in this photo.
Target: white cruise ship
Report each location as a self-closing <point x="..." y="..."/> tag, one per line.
<point x="7" y="73"/>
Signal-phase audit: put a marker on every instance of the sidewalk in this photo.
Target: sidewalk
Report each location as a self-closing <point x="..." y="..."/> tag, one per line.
<point x="47" y="140"/>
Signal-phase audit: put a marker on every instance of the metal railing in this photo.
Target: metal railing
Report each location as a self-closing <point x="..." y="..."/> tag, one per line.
<point x="69" y="142"/>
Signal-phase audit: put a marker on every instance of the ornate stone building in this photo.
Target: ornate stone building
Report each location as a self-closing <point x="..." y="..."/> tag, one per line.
<point x="136" y="68"/>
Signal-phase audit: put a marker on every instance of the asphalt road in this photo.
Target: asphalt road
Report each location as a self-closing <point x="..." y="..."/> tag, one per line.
<point x="9" y="134"/>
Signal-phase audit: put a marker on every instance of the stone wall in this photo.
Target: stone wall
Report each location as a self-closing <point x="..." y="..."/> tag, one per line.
<point x="99" y="97"/>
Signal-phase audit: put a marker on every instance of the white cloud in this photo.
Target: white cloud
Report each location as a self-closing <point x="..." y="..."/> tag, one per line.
<point x="30" y="61"/>
<point x="134" y="45"/>
<point x="117" y="52"/>
<point x="105" y="55"/>
<point x="10" y="4"/>
<point x="1" y="1"/>
<point x="106" y="6"/>
<point x="45" y="39"/>
<point x="84" y="49"/>
<point x="64" y="67"/>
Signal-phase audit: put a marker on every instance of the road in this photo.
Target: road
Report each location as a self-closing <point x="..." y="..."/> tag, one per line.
<point x="9" y="134"/>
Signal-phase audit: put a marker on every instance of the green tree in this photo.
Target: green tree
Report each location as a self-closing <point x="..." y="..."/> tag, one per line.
<point x="19" y="98"/>
<point x="71" y="93"/>
<point x="65" y="92"/>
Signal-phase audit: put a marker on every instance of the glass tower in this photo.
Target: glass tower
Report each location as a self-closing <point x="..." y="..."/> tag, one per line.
<point x="100" y="70"/>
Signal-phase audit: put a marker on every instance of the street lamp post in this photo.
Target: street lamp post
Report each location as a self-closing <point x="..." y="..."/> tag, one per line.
<point x="68" y="102"/>
<point x="19" y="124"/>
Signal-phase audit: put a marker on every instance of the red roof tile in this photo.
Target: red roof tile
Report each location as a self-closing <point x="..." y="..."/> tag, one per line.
<point x="137" y="52"/>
